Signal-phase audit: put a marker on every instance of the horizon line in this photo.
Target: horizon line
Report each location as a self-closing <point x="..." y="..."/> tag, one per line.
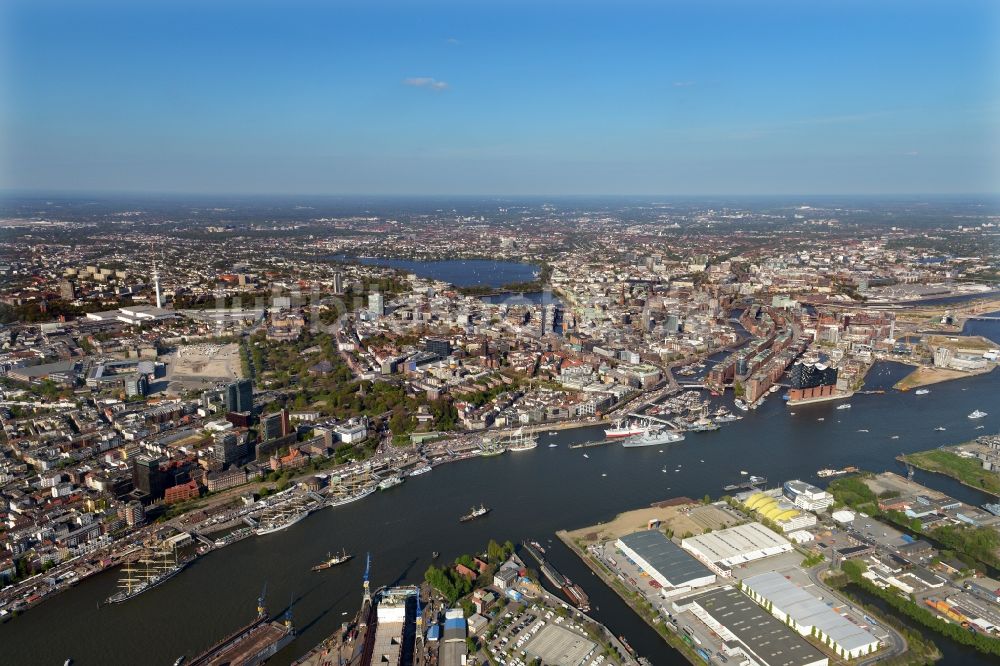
<point x="6" y="192"/>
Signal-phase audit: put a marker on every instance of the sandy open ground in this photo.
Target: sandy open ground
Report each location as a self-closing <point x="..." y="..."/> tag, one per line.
<point x="924" y="376"/>
<point x="199" y="366"/>
<point x="683" y="518"/>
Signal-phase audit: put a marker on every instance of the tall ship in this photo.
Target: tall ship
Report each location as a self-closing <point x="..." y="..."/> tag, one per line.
<point x="279" y="521"/>
<point x="626" y="428"/>
<point x="653" y="438"/>
<point x="146" y="573"/>
<point x="251" y="644"/>
<point x="474" y="513"/>
<point x="333" y="560"/>
<point x="519" y="441"/>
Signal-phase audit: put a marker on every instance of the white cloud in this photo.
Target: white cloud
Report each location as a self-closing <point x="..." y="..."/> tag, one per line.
<point x="425" y="82"/>
<point x="454" y="41"/>
<point x="683" y="84"/>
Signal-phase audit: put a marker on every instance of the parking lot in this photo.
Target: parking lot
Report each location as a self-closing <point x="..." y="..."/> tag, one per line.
<point x="524" y="633"/>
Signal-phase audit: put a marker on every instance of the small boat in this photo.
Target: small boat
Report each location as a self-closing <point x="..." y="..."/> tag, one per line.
<point x="552" y="446"/>
<point x="821" y="419"/>
<point x="178" y="662"/>
<point x="743" y="472"/>
<point x="553" y="433"/>
<point x="921" y="391"/>
<point x="434" y="556"/>
<point x="863" y="430"/>
<point x="846" y="405"/>
<point x="894" y="437"/>
<point x="978" y="414"/>
<point x="940" y="428"/>
<point x="585" y="455"/>
<point x="979" y="427"/>
<point x="603" y="474"/>
<point x="791" y="413"/>
<point x="474" y="513"/>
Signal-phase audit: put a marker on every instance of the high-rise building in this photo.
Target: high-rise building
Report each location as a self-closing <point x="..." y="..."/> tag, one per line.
<point x="338" y="283"/>
<point x="439" y="346"/>
<point x="133" y="513"/>
<point x="66" y="290"/>
<point x="274" y="425"/>
<point x="136" y="385"/>
<point x="376" y="303"/>
<point x="227" y="449"/>
<point x="239" y="396"/>
<point x="147" y="477"/>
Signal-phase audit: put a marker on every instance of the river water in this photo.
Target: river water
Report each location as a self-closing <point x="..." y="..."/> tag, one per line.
<point x="532" y="494"/>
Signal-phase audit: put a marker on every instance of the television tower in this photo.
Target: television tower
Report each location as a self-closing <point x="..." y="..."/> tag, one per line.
<point x="156" y="284"/>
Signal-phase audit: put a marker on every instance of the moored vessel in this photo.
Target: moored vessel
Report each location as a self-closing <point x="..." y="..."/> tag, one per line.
<point x="652" y="438"/>
<point x="625" y="428"/>
<point x="153" y="571"/>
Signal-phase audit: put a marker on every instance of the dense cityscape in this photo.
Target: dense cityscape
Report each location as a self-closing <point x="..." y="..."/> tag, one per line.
<point x="178" y="379"/>
<point x="383" y="333"/>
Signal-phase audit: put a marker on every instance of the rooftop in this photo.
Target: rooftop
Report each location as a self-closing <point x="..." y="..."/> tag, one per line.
<point x="773" y="642"/>
<point x="666" y="557"/>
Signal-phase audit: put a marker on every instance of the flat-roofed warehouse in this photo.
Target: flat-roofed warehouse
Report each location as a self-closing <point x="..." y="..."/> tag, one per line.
<point x="664" y="561"/>
<point x="736" y="545"/>
<point x="804" y="612"/>
<point x="558" y="646"/>
<point x="748" y="631"/>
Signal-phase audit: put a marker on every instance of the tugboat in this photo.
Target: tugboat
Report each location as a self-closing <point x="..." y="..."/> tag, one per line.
<point x="333" y="560"/>
<point x="474" y="513"/>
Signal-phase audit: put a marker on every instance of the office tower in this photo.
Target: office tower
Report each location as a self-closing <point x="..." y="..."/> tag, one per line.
<point x="439" y="346"/>
<point x="338" y="283"/>
<point x="147" y="477"/>
<point x="274" y="425"/>
<point x="239" y="396"/>
<point x="376" y="304"/>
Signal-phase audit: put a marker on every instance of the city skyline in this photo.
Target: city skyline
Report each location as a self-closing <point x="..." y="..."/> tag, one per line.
<point x="775" y="99"/>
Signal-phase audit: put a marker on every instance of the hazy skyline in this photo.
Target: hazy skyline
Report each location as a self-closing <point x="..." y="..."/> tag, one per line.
<point x="468" y="98"/>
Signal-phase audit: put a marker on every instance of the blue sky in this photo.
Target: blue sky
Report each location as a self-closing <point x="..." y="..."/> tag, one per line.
<point x="501" y="97"/>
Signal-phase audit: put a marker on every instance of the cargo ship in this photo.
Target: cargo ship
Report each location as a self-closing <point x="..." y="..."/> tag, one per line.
<point x="626" y="428"/>
<point x="474" y="514"/>
<point x="252" y="644"/>
<point x="333" y="560"/>
<point x="653" y="438"/>
<point x="571" y="590"/>
<point x="152" y="571"/>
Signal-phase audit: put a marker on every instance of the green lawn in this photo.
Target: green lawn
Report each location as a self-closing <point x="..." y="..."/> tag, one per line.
<point x="967" y="470"/>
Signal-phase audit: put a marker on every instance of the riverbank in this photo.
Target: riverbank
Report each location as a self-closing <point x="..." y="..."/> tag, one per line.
<point x="925" y="376"/>
<point x="647" y="613"/>
<point x="966" y="470"/>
